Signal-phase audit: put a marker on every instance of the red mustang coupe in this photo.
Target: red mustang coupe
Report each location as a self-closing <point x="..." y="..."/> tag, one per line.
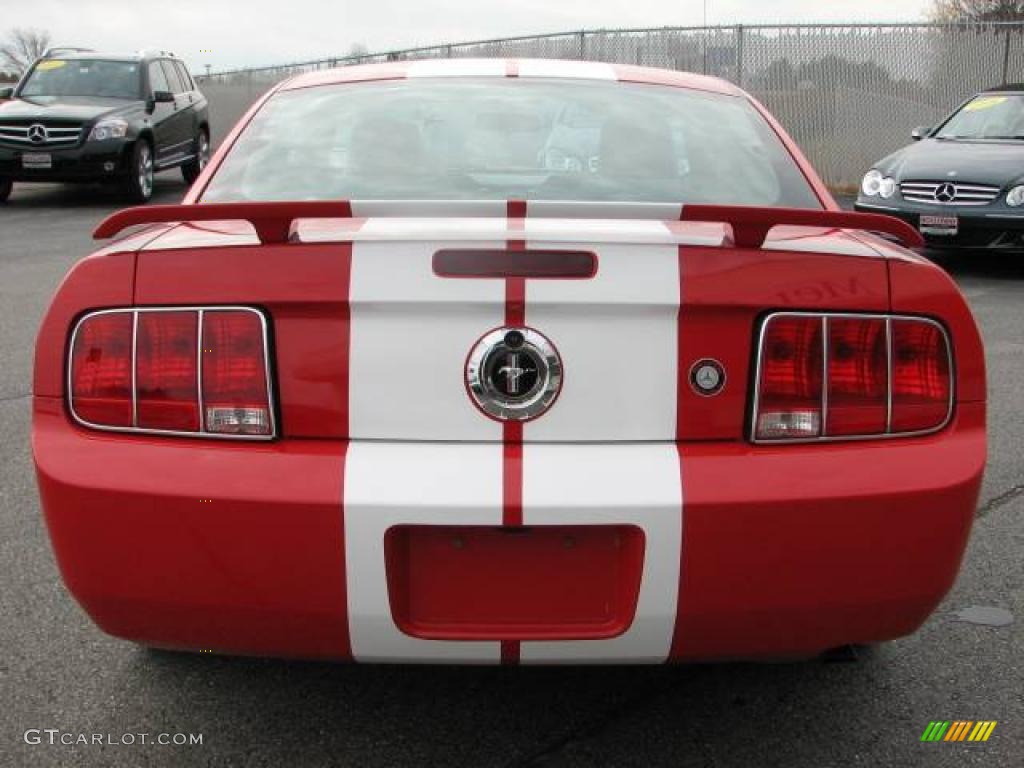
<point x="508" y="361"/>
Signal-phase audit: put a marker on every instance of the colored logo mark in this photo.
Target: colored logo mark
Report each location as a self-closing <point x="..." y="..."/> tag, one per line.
<point x="958" y="730"/>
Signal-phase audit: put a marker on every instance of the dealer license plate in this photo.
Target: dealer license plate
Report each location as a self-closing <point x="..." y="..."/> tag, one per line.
<point x="946" y="226"/>
<point x="36" y="160"/>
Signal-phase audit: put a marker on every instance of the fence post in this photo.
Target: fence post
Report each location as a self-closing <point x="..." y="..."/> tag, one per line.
<point x="739" y="54"/>
<point x="1006" y="57"/>
<point x="583" y="44"/>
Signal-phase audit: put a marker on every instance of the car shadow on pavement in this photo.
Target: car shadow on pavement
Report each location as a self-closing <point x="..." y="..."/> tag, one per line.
<point x="988" y="264"/>
<point x="168" y="188"/>
<point x="428" y="715"/>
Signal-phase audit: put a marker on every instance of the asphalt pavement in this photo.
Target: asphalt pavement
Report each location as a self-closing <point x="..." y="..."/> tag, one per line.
<point x="59" y="672"/>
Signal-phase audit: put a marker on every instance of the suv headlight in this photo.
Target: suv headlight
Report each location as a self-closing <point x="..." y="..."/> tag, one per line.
<point x="875" y="184"/>
<point x="1015" y="197"/>
<point x="115" y="128"/>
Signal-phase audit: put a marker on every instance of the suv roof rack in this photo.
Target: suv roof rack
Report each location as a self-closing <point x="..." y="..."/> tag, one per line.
<point x="155" y="52"/>
<point x="62" y="49"/>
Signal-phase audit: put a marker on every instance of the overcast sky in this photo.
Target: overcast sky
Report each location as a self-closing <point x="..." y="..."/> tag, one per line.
<point x="234" y="33"/>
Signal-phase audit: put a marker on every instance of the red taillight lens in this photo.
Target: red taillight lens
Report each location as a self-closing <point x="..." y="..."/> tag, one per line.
<point x="166" y="374"/>
<point x="101" y="370"/>
<point x="196" y="371"/>
<point x="234" y="374"/>
<point x="921" y="376"/>
<point x="789" y="399"/>
<point x="858" y="376"/>
<point x="883" y="375"/>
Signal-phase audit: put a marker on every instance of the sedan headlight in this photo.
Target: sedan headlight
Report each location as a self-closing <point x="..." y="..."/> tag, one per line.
<point x="109" y="129"/>
<point x="871" y="184"/>
<point x="1015" y="197"/>
<point x="876" y="184"/>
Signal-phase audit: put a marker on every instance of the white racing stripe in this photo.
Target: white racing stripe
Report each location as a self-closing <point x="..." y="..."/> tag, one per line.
<point x="410" y="334"/>
<point x="389" y="484"/>
<point x="581" y="70"/>
<point x="627" y="312"/>
<point x="616" y="334"/>
<point x="606" y="485"/>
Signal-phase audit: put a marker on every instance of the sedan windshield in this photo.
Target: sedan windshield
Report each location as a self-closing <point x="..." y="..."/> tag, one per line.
<point x="83" y="77"/>
<point x="498" y="139"/>
<point x="991" y="116"/>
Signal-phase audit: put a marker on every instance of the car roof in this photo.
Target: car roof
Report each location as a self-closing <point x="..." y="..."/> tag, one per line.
<point x="522" y="68"/>
<point x="99" y="56"/>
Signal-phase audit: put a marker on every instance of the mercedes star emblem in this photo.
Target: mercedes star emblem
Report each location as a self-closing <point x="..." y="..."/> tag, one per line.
<point x="707" y="377"/>
<point x="946" y="193"/>
<point x="37" y="134"/>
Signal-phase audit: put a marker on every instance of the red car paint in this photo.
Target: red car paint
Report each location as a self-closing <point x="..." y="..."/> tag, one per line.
<point x="191" y="543"/>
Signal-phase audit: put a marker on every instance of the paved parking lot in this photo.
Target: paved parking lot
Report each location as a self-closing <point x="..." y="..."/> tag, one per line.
<point x="58" y="671"/>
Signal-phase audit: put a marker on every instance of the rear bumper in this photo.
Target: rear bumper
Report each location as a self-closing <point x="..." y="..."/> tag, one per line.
<point x="750" y="551"/>
<point x="90" y="162"/>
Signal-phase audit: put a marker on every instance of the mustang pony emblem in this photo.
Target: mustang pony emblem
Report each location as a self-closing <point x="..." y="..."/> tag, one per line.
<point x="513" y="374"/>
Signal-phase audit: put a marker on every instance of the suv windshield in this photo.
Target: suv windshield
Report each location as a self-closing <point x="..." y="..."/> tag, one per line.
<point x="503" y="139"/>
<point x="83" y="77"/>
<point x="990" y="116"/>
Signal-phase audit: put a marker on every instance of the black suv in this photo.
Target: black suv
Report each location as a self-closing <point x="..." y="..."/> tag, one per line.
<point x="77" y="115"/>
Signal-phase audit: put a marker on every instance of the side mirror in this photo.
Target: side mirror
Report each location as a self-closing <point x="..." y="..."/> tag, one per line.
<point x="920" y="132"/>
<point x="163" y="97"/>
<point x="6" y="93"/>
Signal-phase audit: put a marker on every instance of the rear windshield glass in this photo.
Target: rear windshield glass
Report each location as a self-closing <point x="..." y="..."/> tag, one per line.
<point x="83" y="77"/>
<point x="510" y="138"/>
<point x="990" y="116"/>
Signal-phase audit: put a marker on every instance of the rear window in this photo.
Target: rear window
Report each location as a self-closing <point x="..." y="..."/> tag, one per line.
<point x="510" y="139"/>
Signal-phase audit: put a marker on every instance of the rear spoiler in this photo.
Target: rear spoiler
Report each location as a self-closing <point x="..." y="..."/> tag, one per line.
<point x="273" y="221"/>
<point x="750" y="226"/>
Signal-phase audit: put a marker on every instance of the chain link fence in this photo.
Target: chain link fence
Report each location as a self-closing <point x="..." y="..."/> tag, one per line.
<point x="849" y="94"/>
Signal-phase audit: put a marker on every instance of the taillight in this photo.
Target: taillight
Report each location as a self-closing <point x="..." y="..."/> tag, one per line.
<point x="792" y="366"/>
<point x="166" y="371"/>
<point x="101" y="370"/>
<point x="234" y="374"/>
<point x="184" y="371"/>
<point x="842" y="375"/>
<point x="858" y="376"/>
<point x="920" y="376"/>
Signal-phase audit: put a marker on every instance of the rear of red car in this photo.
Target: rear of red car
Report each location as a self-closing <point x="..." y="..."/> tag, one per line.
<point x="265" y="430"/>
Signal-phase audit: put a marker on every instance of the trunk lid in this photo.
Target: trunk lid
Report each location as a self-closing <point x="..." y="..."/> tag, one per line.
<point x="370" y="343"/>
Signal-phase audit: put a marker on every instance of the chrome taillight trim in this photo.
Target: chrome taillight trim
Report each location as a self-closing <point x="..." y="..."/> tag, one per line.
<point x="825" y="317"/>
<point x="200" y="311"/>
<point x="824" y="376"/>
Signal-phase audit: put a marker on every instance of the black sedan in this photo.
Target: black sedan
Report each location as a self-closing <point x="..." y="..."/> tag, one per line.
<point x="962" y="182"/>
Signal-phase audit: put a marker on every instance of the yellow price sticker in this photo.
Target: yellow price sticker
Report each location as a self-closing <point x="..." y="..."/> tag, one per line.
<point x="50" y="64"/>
<point x="986" y="102"/>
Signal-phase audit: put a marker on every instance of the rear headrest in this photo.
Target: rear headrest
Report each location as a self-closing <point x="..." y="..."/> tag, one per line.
<point x="384" y="145"/>
<point x="637" y="147"/>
